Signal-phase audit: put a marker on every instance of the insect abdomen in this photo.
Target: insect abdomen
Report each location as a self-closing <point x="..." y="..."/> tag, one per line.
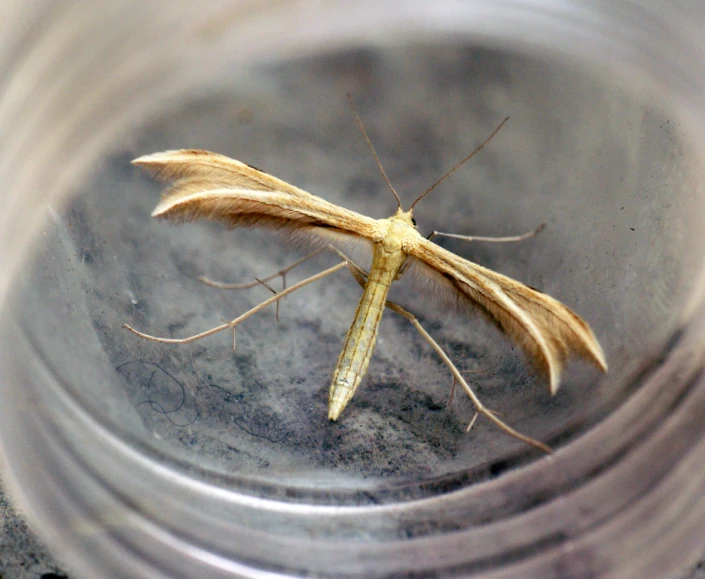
<point x="362" y="335"/>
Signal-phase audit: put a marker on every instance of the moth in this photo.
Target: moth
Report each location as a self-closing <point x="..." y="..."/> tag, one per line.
<point x="211" y="186"/>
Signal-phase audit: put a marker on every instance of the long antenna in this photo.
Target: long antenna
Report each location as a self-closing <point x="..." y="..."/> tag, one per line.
<point x="470" y="156"/>
<point x="369" y="143"/>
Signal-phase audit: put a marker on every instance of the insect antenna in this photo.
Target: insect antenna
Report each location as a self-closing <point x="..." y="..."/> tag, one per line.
<point x="369" y="143"/>
<point x="470" y="156"/>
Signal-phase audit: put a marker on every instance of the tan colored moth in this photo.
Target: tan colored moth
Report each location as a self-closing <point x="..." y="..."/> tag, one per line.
<point x="211" y="186"/>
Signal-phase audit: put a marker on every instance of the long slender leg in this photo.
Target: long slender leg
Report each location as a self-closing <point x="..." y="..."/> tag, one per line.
<point x="452" y="392"/>
<point x="236" y="321"/>
<point x="262" y="281"/>
<point x="281" y="273"/>
<point x="521" y="237"/>
<point x="480" y="408"/>
<point x="359" y="275"/>
<point x="271" y="289"/>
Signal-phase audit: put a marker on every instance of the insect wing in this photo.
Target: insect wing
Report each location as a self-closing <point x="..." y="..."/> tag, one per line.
<point x="211" y="186"/>
<point x="548" y="331"/>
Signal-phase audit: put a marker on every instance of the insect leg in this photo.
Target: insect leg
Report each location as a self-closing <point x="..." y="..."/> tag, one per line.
<point x="521" y="237"/>
<point x="247" y="314"/>
<point x="358" y="273"/>
<point x="480" y="408"/>
<point x="281" y="272"/>
<point x="262" y="281"/>
<point x="271" y="289"/>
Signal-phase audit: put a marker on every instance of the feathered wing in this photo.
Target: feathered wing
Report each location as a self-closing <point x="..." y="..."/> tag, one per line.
<point x="544" y="328"/>
<point x="211" y="186"/>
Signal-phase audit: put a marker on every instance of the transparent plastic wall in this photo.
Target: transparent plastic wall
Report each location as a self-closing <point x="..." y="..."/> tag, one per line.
<point x="139" y="459"/>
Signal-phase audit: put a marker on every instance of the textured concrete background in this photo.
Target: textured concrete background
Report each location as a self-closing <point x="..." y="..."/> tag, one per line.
<point x="576" y="155"/>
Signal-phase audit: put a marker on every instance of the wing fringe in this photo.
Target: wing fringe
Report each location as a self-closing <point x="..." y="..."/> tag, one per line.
<point x="547" y="331"/>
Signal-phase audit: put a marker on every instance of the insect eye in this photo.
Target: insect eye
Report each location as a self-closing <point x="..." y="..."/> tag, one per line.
<point x="413" y="222"/>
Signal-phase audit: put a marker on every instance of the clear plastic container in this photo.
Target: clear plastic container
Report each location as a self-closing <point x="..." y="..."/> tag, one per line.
<point x="138" y="459"/>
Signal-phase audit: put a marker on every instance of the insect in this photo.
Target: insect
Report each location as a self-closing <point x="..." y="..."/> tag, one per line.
<point x="211" y="186"/>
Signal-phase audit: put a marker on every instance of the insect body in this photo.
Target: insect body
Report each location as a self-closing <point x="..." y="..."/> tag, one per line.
<point x="389" y="252"/>
<point x="211" y="186"/>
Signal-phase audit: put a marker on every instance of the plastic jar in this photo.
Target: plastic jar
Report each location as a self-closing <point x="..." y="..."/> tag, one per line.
<point x="137" y="459"/>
